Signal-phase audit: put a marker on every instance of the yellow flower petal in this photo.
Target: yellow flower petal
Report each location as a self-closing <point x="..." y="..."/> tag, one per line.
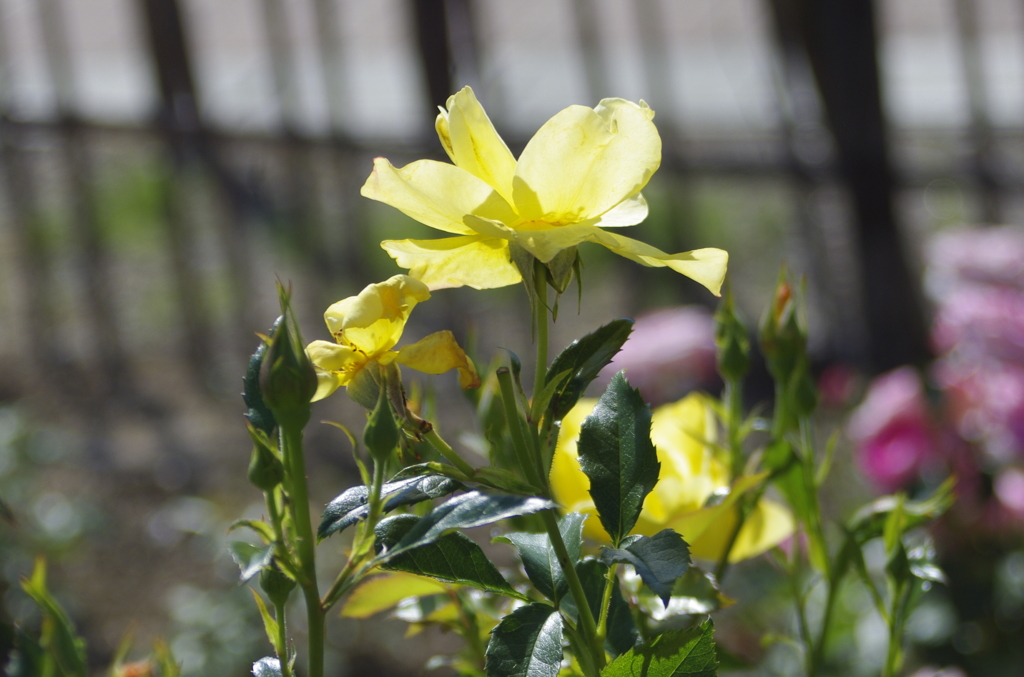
<point x="569" y="484"/>
<point x="435" y="193"/>
<point x="766" y="526"/>
<point x="474" y="261"/>
<point x="438" y="353"/>
<point x="706" y="266"/>
<point x="544" y="243"/>
<point x="334" y="364"/>
<point x="474" y="145"/>
<point x="629" y="212"/>
<point x="583" y="162"/>
<point x="373" y="320"/>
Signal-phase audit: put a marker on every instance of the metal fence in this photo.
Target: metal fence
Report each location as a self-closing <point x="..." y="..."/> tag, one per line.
<point x="161" y="159"/>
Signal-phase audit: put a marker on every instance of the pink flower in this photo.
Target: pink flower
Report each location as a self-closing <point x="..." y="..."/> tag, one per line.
<point x="891" y="430"/>
<point x="669" y="353"/>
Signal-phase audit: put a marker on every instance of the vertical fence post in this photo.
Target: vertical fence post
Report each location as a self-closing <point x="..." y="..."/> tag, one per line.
<point x="94" y="256"/>
<point x="840" y="40"/>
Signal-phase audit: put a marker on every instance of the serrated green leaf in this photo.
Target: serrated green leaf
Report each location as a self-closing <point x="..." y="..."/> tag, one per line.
<point x="584" y="358"/>
<point x="270" y="625"/>
<point x="617" y="454"/>
<point x="351" y="506"/>
<point x="472" y="509"/>
<point x="869" y="521"/>
<point x="453" y="558"/>
<point x="267" y="667"/>
<point x="63" y="645"/>
<point x="250" y="558"/>
<point x="696" y="592"/>
<point x="539" y="558"/>
<point x="526" y="643"/>
<point x="678" y="653"/>
<point x="659" y="560"/>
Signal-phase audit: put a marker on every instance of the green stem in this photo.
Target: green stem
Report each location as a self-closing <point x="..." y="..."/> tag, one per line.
<point x="540" y="284"/>
<point x="448" y="453"/>
<point x="284" y="558"/>
<point x="606" y="601"/>
<point x="805" y="631"/>
<point x="896" y="618"/>
<point x="816" y="532"/>
<point x="291" y="444"/>
<point x="515" y="425"/>
<point x="818" y="656"/>
<point x="587" y="625"/>
<point x="282" y="639"/>
<point x="360" y="548"/>
<point x="733" y="400"/>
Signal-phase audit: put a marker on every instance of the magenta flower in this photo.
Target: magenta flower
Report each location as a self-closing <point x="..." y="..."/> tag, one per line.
<point x="892" y="431"/>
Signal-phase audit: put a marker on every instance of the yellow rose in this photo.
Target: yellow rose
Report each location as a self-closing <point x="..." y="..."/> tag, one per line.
<point x="582" y="172"/>
<point x="367" y="326"/>
<point x="683" y="433"/>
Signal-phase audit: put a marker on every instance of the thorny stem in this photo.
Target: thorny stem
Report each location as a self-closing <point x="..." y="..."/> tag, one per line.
<point x="359" y="547"/>
<point x="282" y="638"/>
<point x="586" y="619"/>
<point x="291" y="445"/>
<point x="606" y="600"/>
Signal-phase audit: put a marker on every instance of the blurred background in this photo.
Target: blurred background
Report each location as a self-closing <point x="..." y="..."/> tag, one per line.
<point x="163" y="161"/>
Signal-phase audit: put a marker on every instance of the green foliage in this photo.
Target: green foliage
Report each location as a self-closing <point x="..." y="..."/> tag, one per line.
<point x="622" y="632"/>
<point x="265" y="468"/>
<point x="63" y="651"/>
<point x="526" y="643"/>
<point x="659" y="560"/>
<point x="250" y="558"/>
<point x="259" y="413"/>
<point x="351" y="506"/>
<point x="584" y="359"/>
<point x="453" y="558"/>
<point x="539" y="558"/>
<point x="677" y="653"/>
<point x="617" y="455"/>
<point x="472" y="509"/>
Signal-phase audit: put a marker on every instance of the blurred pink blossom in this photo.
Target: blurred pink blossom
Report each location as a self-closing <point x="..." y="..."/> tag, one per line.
<point x="891" y="430"/>
<point x="1009" y="489"/>
<point x="991" y="256"/>
<point x="669" y="353"/>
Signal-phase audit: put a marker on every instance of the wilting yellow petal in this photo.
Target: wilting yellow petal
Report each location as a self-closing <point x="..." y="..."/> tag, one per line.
<point x="706" y="266"/>
<point x="474" y="145"/>
<point x="334" y="364"/>
<point x="583" y="162"/>
<point x="373" y="320"/>
<point x="474" y="261"/>
<point x="435" y="193"/>
<point x="438" y="353"/>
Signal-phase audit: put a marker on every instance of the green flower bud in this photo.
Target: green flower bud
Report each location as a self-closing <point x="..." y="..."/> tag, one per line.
<point x="804" y="392"/>
<point x="287" y="378"/>
<point x="783" y="339"/>
<point x="381" y="435"/>
<point x="364" y="388"/>
<point x="732" y="341"/>
<point x="265" y="468"/>
<point x="277" y="586"/>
